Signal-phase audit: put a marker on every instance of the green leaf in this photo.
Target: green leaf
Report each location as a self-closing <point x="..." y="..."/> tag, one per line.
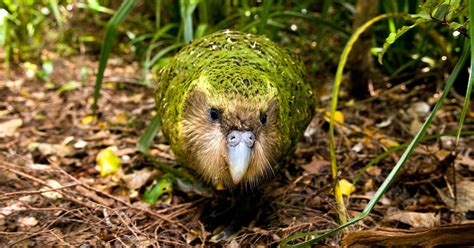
<point x="146" y="139"/>
<point x="46" y="70"/>
<point x="163" y="186"/>
<point x="84" y="71"/>
<point x="111" y="28"/>
<point x="455" y="26"/>
<point x="467" y="98"/>
<point x="441" y="11"/>
<point x="71" y="85"/>
<point x="430" y="5"/>
<point x="457" y="8"/>
<point x="392" y="37"/>
<point x="48" y="67"/>
<point x="3" y="26"/>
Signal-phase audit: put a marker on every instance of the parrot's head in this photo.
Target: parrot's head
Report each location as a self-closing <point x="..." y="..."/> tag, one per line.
<point x="230" y="125"/>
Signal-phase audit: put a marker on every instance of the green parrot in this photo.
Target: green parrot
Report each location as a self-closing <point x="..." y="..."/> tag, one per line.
<point x="232" y="105"/>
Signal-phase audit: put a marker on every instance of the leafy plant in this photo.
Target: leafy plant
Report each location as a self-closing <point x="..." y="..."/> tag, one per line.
<point x="396" y="169"/>
<point x="110" y="33"/>
<point x="22" y="25"/>
<point x="197" y="18"/>
<point x="437" y="9"/>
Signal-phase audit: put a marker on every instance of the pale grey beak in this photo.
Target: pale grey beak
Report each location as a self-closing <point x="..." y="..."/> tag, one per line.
<point x="239" y="152"/>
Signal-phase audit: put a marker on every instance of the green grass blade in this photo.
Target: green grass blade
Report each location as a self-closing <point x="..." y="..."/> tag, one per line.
<point x="163" y="31"/>
<point x="337" y="83"/>
<point x="324" y="16"/>
<point x="110" y="32"/>
<point x="225" y="23"/>
<point x="163" y="52"/>
<point x="267" y="4"/>
<point x="146" y="139"/>
<point x="313" y="19"/>
<point x="151" y="61"/>
<point x="4" y="36"/>
<point x="204" y="12"/>
<point x="400" y="147"/>
<point x="325" y="11"/>
<point x="411" y="147"/>
<point x="95" y="6"/>
<point x="467" y="98"/>
<point x="57" y="15"/>
<point x="187" y="8"/>
<point x="154" y="36"/>
<point x="158" y="14"/>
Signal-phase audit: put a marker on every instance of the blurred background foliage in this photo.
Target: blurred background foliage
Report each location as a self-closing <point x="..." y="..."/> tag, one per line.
<point x="316" y="30"/>
<point x="418" y="47"/>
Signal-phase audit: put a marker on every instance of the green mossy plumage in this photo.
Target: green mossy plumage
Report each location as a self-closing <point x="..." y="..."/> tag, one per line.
<point x="228" y="65"/>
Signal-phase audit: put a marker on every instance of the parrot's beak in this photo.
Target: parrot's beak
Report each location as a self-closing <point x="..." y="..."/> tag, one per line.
<point x="239" y="152"/>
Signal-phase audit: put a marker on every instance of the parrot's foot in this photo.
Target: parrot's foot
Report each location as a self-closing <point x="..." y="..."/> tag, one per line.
<point x="228" y="232"/>
<point x="243" y="210"/>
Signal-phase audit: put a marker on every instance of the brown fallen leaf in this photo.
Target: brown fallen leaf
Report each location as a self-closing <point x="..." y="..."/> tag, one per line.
<point x="53" y="184"/>
<point x="9" y="128"/>
<point x="55" y="149"/>
<point x="374" y="171"/>
<point x="415" y="219"/>
<point x="465" y="196"/>
<point x="466" y="160"/>
<point x="15" y="207"/>
<point x="316" y="166"/>
<point x="137" y="179"/>
<point x="28" y="221"/>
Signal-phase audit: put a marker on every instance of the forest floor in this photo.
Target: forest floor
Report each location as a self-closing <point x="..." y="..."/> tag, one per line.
<point x="48" y="139"/>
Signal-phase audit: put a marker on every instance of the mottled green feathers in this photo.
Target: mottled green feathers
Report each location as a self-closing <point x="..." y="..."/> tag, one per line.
<point x="229" y="66"/>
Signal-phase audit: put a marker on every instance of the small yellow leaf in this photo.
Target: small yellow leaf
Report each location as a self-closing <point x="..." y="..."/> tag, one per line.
<point x="109" y="85"/>
<point x="346" y="187"/>
<point x="88" y="119"/>
<point x="389" y="142"/>
<point x="25" y="94"/>
<point x="40" y="117"/>
<point x="220" y="186"/>
<point x="338" y="117"/>
<point x="102" y="124"/>
<point x="120" y="119"/>
<point x="109" y="163"/>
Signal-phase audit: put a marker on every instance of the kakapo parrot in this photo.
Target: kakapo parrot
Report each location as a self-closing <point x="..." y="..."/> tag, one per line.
<point x="232" y="105"/>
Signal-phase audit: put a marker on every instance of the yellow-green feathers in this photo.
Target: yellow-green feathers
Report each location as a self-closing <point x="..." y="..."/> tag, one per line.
<point x="233" y="68"/>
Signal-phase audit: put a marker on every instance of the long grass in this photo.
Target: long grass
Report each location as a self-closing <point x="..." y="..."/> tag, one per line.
<point x="110" y="33"/>
<point x="396" y="169"/>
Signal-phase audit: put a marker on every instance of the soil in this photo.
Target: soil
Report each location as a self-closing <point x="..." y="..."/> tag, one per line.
<point x="50" y="141"/>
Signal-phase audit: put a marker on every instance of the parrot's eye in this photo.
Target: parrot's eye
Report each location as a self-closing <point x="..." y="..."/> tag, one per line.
<point x="214" y="114"/>
<point x="263" y="118"/>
